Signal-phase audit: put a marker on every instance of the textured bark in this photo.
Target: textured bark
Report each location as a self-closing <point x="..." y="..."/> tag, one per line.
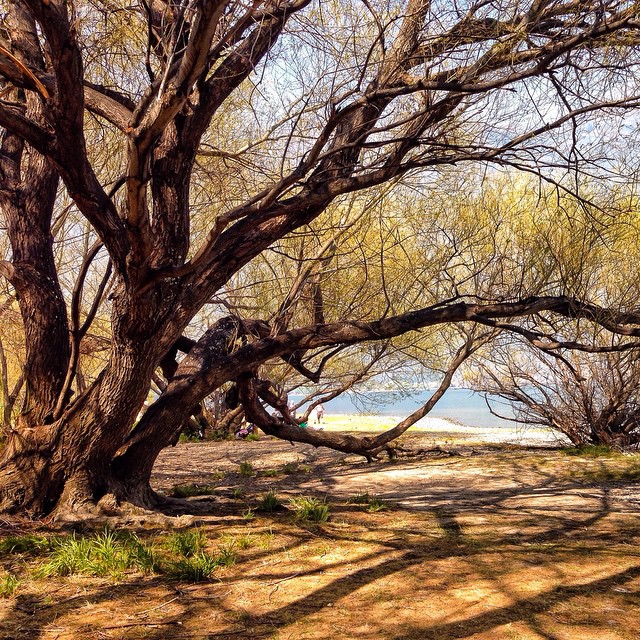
<point x="27" y="202"/>
<point x="70" y="452"/>
<point x="71" y="459"/>
<point x="73" y="456"/>
<point x="28" y="186"/>
<point x="165" y="418"/>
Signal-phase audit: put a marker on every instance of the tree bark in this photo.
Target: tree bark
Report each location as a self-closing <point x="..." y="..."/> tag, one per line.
<point x="27" y="201"/>
<point x="67" y="464"/>
<point x="165" y="418"/>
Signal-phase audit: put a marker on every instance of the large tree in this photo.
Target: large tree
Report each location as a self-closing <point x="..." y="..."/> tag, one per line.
<point x="228" y="127"/>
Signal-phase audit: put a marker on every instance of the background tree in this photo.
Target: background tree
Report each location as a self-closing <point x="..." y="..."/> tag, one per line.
<point x="589" y="399"/>
<point x="229" y="128"/>
<point x="588" y="394"/>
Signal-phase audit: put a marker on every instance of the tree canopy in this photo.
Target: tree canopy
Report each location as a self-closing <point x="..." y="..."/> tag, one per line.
<point x="274" y="182"/>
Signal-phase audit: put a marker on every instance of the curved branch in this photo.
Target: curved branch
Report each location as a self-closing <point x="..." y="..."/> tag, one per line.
<point x="105" y="103"/>
<point x="12" y="119"/>
<point x="367" y="446"/>
<point x="77" y="331"/>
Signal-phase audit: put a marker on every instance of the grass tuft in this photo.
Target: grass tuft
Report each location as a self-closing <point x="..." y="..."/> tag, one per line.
<point x="242" y="541"/>
<point x="375" y="505"/>
<point x="195" y="568"/>
<point x="269" y="502"/>
<point x="187" y="543"/>
<point x="246" y="469"/>
<point x="8" y="585"/>
<point x="310" y="509"/>
<point x="227" y="555"/>
<point x="29" y="544"/>
<point x="189" y="490"/>
<point x="102" y="554"/>
<point x="370" y="503"/>
<point x="142" y="556"/>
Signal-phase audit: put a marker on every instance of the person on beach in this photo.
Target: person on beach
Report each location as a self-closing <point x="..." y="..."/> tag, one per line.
<point x="319" y="410"/>
<point x="245" y="430"/>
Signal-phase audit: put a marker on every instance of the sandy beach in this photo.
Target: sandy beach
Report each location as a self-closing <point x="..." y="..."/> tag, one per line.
<point x="444" y="430"/>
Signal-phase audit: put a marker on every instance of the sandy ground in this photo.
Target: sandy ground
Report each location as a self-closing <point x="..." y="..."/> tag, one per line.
<point x="476" y="540"/>
<point x="436" y="463"/>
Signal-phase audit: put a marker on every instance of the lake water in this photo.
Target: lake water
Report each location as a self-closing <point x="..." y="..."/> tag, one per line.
<point x="459" y="405"/>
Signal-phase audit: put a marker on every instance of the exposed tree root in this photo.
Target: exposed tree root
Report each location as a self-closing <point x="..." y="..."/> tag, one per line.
<point x="120" y="505"/>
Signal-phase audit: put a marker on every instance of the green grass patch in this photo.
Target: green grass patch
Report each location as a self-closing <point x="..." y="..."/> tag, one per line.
<point x="227" y="554"/>
<point x="246" y="469"/>
<point x="197" y="565"/>
<point x="368" y="502"/>
<point x="590" y="451"/>
<point x="29" y="544"/>
<point x="103" y="554"/>
<point x="242" y="541"/>
<point x="8" y="585"/>
<point x="187" y="543"/>
<point x="375" y="505"/>
<point x="182" y="555"/>
<point x="269" y="502"/>
<point x="196" y="568"/>
<point x="310" y="509"/>
<point x="189" y="490"/>
<point x="618" y="473"/>
<point x="249" y="514"/>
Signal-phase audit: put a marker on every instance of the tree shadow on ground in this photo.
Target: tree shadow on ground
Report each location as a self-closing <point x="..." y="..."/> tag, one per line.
<point x="397" y="554"/>
<point x="35" y="619"/>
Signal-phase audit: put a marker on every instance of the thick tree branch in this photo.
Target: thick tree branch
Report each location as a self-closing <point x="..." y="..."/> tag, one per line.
<point x="367" y="446"/>
<point x="12" y="119"/>
<point x="65" y="113"/>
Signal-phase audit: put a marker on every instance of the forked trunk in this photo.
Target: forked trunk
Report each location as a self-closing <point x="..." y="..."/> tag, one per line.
<point x="65" y="467"/>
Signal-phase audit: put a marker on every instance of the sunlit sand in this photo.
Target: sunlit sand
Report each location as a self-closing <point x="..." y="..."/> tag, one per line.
<point x="441" y="428"/>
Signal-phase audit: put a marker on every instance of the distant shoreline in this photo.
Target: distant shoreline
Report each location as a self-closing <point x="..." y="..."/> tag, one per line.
<point x="460" y="405"/>
<point x="442" y="429"/>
